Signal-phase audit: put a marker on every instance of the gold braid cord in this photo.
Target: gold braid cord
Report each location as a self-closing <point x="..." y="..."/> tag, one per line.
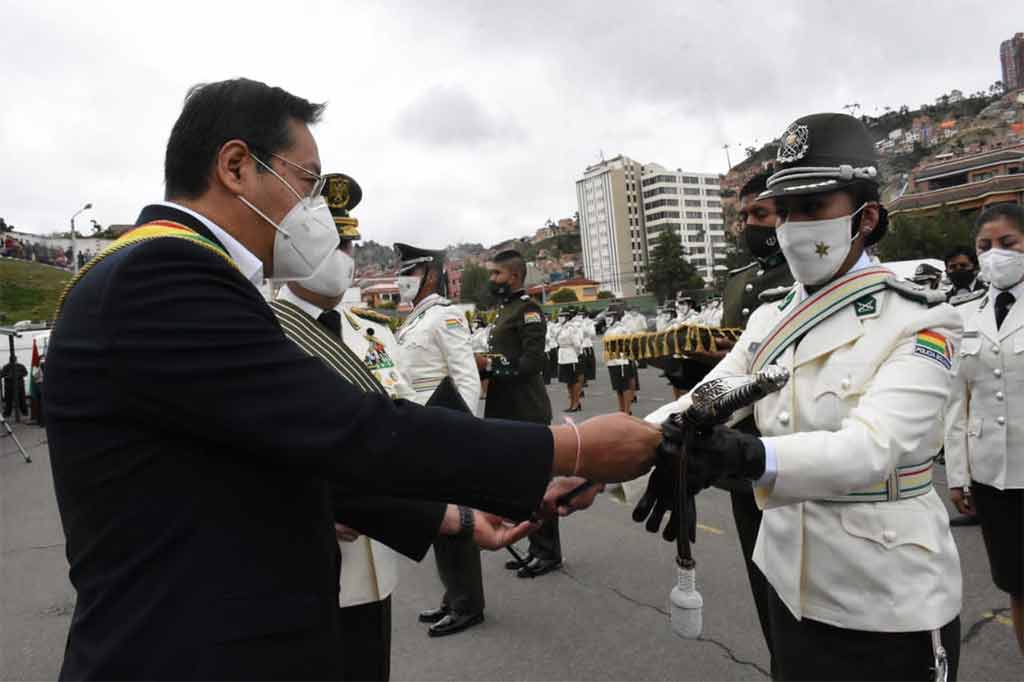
<point x="671" y="342"/>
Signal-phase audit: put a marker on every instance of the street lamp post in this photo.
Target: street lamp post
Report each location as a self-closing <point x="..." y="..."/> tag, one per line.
<point x="74" y="249"/>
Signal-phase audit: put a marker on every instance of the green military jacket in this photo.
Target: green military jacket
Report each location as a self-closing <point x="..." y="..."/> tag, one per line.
<point x="739" y="300"/>
<point x="745" y="284"/>
<point x="515" y="389"/>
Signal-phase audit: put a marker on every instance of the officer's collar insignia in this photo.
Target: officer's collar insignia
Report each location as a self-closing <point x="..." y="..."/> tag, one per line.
<point x="865" y="306"/>
<point x="821" y="248"/>
<point x="785" y="301"/>
<point x="794" y="144"/>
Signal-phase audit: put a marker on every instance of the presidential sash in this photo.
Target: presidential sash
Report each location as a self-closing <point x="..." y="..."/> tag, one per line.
<point x="830" y="299"/>
<point x="157" y="229"/>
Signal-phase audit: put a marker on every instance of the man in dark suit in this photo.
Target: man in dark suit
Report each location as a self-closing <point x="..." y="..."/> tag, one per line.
<point x="192" y="442"/>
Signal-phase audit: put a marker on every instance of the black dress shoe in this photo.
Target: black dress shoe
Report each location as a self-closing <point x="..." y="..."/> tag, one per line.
<point x="539" y="567"/>
<point x="433" y="615"/>
<point x="964" y="520"/>
<point x="455" y="622"/>
<point x="513" y="564"/>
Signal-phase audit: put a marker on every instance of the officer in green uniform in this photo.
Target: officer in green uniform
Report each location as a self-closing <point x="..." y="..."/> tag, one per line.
<point x="767" y="274"/>
<point x="514" y="368"/>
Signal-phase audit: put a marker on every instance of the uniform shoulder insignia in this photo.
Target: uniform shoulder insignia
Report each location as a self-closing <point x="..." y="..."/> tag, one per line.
<point x="736" y="271"/>
<point x="373" y="315"/>
<point x="772" y="295"/>
<point x="915" y="292"/>
<point x="967" y="298"/>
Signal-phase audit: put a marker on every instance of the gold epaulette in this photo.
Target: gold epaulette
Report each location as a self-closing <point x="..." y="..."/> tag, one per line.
<point x="372" y="315"/>
<point x="685" y="338"/>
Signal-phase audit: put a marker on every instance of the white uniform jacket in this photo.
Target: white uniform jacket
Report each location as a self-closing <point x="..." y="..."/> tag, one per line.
<point x="570" y="342"/>
<point x="589" y="330"/>
<point x="434" y="343"/>
<point x="369" y="568"/>
<point x="551" y="336"/>
<point x="861" y="401"/>
<point x="985" y="420"/>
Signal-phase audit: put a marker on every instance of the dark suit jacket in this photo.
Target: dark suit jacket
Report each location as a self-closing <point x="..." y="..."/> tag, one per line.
<point x="191" y="444"/>
<point x="516" y="390"/>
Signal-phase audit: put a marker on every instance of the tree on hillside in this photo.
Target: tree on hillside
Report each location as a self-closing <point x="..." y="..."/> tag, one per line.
<point x="927" y="236"/>
<point x="668" y="272"/>
<point x="475" y="287"/>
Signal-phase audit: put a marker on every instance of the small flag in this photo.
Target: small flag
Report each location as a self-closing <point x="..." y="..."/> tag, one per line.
<point x="934" y="346"/>
<point x="452" y="323"/>
<point x="531" y="318"/>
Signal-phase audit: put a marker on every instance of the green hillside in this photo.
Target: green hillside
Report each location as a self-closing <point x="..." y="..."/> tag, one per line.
<point x="29" y="291"/>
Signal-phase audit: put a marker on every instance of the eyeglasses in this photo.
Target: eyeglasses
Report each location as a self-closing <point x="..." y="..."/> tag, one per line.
<point x="318" y="180"/>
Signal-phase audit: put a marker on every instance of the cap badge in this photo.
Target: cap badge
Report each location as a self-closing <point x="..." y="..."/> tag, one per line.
<point x="821" y="248"/>
<point x="338" y="193"/>
<point x="794" y="144"/>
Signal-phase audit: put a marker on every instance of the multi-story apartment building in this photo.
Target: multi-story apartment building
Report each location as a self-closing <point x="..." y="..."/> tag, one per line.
<point x="611" y="225"/>
<point x="688" y="205"/>
<point x="1011" y="55"/>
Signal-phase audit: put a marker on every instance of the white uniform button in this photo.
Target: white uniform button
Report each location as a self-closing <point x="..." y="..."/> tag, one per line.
<point x="760" y="272"/>
<point x="888" y="535"/>
<point x="845" y="383"/>
<point x="783" y="418"/>
<point x="745" y="311"/>
<point x="749" y="287"/>
<point x="995" y="349"/>
<point x="997" y="372"/>
<point x="1000" y="420"/>
<point x="999" y="396"/>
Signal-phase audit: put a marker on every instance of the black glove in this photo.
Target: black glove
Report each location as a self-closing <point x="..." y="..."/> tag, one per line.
<point x="662" y="494"/>
<point x="724" y="452"/>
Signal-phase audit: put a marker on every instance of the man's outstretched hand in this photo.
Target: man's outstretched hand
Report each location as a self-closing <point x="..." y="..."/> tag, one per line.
<point x="612" y="448"/>
<point x="493" y="532"/>
<point x="553" y="504"/>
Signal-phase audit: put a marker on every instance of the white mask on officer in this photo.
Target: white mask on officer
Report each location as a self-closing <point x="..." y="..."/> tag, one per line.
<point x="816" y="249"/>
<point x="334" y="276"/>
<point x="306" y="236"/>
<point x="1002" y="268"/>
<point x="408" y="287"/>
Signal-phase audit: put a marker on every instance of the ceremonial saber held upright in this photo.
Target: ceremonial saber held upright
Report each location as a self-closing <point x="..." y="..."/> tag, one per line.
<point x="713" y="403"/>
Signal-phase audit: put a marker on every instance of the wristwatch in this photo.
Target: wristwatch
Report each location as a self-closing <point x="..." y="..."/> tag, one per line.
<point x="466" y="522"/>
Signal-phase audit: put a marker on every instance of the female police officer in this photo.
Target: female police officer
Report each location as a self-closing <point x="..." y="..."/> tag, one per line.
<point x="984" y="431"/>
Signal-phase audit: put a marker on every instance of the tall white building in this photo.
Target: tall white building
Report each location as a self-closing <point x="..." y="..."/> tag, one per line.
<point x="612" y="225"/>
<point x="688" y="205"/>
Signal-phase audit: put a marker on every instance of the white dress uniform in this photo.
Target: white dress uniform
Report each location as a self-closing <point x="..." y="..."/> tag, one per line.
<point x="859" y="420"/>
<point x="985" y="420"/>
<point x="370" y="568"/>
<point x="481" y="339"/>
<point x="434" y="343"/>
<point x="570" y="343"/>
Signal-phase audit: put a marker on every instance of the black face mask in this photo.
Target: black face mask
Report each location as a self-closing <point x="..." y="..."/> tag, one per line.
<point x="761" y="241"/>
<point x="500" y="290"/>
<point x="962" y="279"/>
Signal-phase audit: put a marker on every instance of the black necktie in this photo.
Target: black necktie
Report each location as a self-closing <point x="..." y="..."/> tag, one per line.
<point x="1004" y="301"/>
<point x="332" y="320"/>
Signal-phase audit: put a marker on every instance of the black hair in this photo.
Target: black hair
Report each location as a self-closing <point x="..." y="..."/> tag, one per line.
<point x="962" y="250"/>
<point x="214" y="113"/>
<point x="513" y="260"/>
<point x="993" y="212"/>
<point x="756" y="184"/>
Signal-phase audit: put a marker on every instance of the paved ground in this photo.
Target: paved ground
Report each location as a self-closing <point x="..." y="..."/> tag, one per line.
<point x="603" y="617"/>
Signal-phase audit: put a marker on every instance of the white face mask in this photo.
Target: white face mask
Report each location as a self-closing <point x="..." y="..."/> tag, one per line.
<point x="306" y="236"/>
<point x="408" y="287"/>
<point x="1002" y="268"/>
<point x="816" y="249"/>
<point x="333" y="277"/>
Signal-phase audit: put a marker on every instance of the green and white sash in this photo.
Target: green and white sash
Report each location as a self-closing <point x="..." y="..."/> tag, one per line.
<point x="830" y="299"/>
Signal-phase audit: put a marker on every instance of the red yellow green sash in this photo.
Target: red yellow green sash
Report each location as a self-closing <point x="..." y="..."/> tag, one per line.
<point x="153" y="230"/>
<point x="823" y="304"/>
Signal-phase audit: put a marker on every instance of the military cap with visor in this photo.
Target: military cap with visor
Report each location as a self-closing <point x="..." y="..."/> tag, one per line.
<point x="343" y="194"/>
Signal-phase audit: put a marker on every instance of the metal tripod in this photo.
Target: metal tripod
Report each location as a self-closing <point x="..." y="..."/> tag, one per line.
<point x="10" y="432"/>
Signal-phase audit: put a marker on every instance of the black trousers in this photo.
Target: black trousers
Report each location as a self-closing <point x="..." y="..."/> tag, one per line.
<point x="458" y="565"/>
<point x="811" y="650"/>
<point x="366" y="641"/>
<point x="747" y="517"/>
<point x="545" y="542"/>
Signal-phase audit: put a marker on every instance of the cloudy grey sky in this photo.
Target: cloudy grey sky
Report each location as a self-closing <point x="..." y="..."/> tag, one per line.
<point x="463" y="121"/>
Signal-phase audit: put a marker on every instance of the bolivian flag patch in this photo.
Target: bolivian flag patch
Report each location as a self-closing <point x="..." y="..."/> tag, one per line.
<point x="452" y="323"/>
<point x="934" y="346"/>
<point x="531" y="318"/>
